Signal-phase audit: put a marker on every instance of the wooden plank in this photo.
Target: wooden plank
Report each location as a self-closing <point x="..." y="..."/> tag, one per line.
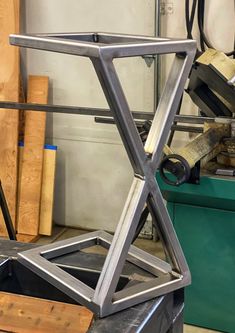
<point x="27" y="238"/>
<point x="47" y="192"/>
<point x="31" y="174"/>
<point x="9" y="90"/>
<point x="22" y="314"/>
<point x="23" y="237"/>
<point x="47" y="195"/>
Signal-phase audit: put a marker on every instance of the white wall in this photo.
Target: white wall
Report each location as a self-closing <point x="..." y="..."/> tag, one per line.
<point x="93" y="172"/>
<point x="219" y="28"/>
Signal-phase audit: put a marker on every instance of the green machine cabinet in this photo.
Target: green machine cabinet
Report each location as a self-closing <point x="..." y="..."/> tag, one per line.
<point x="204" y="219"/>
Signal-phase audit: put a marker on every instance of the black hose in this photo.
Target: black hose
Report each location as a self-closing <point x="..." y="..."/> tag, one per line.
<point x="187" y="19"/>
<point x="190" y="17"/>
<point x="203" y="37"/>
<point x="200" y="18"/>
<point x="193" y="11"/>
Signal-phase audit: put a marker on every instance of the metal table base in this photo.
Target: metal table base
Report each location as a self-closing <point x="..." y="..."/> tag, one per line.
<point x="104" y="299"/>
<point x="159" y="315"/>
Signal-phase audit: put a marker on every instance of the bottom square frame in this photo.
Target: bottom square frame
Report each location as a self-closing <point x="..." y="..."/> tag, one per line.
<point x="164" y="278"/>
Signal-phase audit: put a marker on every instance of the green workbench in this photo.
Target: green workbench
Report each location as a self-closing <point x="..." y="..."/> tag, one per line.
<point x="204" y="219"/>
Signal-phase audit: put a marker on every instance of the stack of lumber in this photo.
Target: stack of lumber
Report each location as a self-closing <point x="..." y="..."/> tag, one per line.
<point x="27" y="172"/>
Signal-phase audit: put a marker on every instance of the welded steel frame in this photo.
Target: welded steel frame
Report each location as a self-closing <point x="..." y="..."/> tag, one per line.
<point x="162" y="314"/>
<point x="102" y="49"/>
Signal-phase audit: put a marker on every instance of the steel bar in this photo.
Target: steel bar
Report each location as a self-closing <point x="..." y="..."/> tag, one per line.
<point x="193" y="119"/>
<point x="157" y="58"/>
<point x="167" y="234"/>
<point x="6" y="215"/>
<point x="121" y="243"/>
<point x="125" y="46"/>
<point x="167" y="107"/>
<point x="116" y="99"/>
<point x="188" y="129"/>
<point x="136" y="256"/>
<point x="179" y="128"/>
<point x="105" y="120"/>
<point x="83" y="111"/>
<point x="96" y="112"/>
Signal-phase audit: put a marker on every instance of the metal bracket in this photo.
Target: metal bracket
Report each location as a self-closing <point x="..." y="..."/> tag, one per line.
<point x="149" y="59"/>
<point x="102" y="48"/>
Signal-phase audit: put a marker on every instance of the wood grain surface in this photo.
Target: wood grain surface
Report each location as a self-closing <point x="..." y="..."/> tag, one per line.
<point x="32" y="162"/>
<point x="22" y="314"/>
<point x="9" y="91"/>
<point x="47" y="195"/>
<point x="27" y="238"/>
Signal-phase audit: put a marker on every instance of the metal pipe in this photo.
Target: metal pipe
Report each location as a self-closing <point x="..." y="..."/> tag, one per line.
<point x="84" y="111"/>
<point x="157" y="59"/>
<point x="179" y="128"/>
<point x="188" y="129"/>
<point x="193" y="119"/>
<point x="96" y="112"/>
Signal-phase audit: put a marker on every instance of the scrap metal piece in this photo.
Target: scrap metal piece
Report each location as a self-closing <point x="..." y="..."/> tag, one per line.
<point x="102" y="49"/>
<point x="225" y="172"/>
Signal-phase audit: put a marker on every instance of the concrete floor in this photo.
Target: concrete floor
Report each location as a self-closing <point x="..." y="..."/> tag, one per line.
<point x="155" y="248"/>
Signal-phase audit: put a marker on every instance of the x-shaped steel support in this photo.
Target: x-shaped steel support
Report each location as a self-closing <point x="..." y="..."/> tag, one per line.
<point x="144" y="161"/>
<point x="104" y="300"/>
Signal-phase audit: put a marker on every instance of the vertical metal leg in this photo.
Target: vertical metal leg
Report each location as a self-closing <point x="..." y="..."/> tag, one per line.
<point x="178" y="325"/>
<point x="178" y="315"/>
<point x="116" y="99"/>
<point x="145" y="160"/>
<point x="121" y="244"/>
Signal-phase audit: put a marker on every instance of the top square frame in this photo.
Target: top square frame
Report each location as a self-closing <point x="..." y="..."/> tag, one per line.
<point x="102" y="45"/>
